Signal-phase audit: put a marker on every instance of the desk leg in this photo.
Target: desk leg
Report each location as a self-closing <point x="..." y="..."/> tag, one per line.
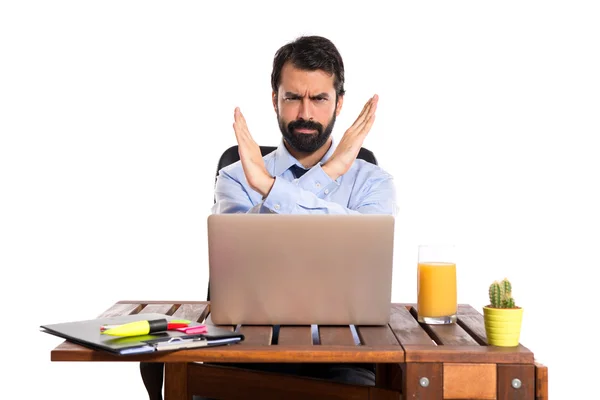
<point x="388" y="376"/>
<point x="176" y="381"/>
<point x="422" y="381"/>
<point x="516" y="382"/>
<point x="541" y="381"/>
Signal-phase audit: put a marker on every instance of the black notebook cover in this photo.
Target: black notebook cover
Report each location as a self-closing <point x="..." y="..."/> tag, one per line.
<point x="87" y="333"/>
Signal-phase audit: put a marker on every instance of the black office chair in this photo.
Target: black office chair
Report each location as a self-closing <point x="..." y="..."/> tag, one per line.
<point x="152" y="373"/>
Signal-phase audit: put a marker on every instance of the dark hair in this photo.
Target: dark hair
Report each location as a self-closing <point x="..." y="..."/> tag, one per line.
<point x="310" y="53"/>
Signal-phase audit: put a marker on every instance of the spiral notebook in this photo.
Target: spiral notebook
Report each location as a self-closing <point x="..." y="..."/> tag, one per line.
<point x="87" y="334"/>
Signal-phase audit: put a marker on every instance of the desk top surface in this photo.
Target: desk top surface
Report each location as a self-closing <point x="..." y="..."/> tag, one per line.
<point x="402" y="340"/>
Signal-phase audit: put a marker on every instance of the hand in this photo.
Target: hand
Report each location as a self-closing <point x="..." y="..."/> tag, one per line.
<point x="344" y="155"/>
<point x="254" y="166"/>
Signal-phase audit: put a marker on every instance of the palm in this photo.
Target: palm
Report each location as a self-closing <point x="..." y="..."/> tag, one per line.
<point x="250" y="155"/>
<point x="344" y="155"/>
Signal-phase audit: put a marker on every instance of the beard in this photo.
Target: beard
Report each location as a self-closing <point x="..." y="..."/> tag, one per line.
<point x="305" y="142"/>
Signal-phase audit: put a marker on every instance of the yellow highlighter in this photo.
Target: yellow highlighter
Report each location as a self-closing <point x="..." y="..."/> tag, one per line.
<point x="138" y="328"/>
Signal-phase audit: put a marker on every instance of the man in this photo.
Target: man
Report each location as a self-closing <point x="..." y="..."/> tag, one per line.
<point x="307" y="174"/>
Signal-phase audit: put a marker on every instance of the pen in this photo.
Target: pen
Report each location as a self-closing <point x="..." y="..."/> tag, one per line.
<point x="140" y="328"/>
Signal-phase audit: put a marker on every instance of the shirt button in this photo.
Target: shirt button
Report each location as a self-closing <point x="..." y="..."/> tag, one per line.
<point x="326" y="191"/>
<point x="276" y="207"/>
<point x="318" y="184"/>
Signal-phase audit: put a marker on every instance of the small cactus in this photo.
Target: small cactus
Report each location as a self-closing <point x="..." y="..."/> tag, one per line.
<point x="495" y="296"/>
<point x="506" y="287"/>
<point x="501" y="294"/>
<point x="508" y="303"/>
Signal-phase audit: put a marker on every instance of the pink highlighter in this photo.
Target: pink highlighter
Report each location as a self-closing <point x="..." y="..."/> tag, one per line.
<point x="190" y="330"/>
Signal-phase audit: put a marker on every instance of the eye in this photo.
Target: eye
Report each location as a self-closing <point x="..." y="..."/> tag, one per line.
<point x="288" y="99"/>
<point x="320" y="99"/>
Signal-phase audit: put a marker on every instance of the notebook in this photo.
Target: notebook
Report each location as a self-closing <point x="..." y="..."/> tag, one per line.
<point x="274" y="269"/>
<point x="87" y="333"/>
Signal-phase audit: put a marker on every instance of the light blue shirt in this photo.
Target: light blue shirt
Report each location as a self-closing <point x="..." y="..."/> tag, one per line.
<point x="364" y="189"/>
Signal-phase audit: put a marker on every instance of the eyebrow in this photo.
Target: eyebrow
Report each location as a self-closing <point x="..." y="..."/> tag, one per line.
<point x="321" y="95"/>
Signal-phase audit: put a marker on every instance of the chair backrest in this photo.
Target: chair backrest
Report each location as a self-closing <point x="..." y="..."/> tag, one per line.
<point x="232" y="155"/>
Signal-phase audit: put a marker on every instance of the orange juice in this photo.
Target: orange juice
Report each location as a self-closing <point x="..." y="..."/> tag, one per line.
<point x="436" y="289"/>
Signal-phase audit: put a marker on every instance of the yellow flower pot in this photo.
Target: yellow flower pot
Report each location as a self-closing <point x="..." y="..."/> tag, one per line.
<point x="502" y="325"/>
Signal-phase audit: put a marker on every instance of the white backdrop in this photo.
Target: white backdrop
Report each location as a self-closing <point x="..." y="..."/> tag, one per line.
<point x="113" y="115"/>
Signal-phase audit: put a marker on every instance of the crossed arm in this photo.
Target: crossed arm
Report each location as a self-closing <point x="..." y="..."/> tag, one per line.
<point x="304" y="196"/>
<point x="338" y="164"/>
<point x="276" y="195"/>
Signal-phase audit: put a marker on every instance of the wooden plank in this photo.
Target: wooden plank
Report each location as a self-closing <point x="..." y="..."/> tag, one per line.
<point x="377" y="336"/>
<point x="376" y="393"/>
<point x="192" y="312"/>
<point x="469" y="354"/>
<point x="238" y="353"/>
<point x="524" y="373"/>
<point x="236" y="383"/>
<point x="467" y="309"/>
<point x="166" y="308"/>
<point x="414" y="373"/>
<point x="406" y="329"/>
<point x="450" y="334"/>
<point x="176" y="381"/>
<point x="255" y="335"/>
<point x="472" y="322"/>
<point x="119" y="309"/>
<point x="295" y="336"/>
<point x="541" y="381"/>
<point x="335" y="336"/>
<point x="469" y="381"/>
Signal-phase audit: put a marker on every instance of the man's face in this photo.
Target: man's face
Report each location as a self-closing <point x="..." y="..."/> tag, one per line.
<point x="306" y="107"/>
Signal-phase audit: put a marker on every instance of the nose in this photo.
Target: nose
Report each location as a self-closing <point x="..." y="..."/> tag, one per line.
<point x="305" y="111"/>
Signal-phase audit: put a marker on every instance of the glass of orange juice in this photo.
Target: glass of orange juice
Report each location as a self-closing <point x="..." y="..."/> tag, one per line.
<point x="436" y="284"/>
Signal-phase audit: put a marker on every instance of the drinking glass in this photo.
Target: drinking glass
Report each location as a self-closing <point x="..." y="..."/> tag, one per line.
<point x="436" y="284"/>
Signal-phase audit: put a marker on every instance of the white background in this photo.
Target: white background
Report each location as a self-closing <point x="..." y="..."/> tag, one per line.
<point x="113" y="115"/>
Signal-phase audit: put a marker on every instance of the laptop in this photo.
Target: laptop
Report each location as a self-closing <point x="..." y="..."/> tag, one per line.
<point x="276" y="269"/>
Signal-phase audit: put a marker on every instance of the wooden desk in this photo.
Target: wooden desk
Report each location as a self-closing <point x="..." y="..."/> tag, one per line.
<point x="418" y="361"/>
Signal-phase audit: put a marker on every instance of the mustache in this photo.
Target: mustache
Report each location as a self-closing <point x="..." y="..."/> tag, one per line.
<point x="303" y="124"/>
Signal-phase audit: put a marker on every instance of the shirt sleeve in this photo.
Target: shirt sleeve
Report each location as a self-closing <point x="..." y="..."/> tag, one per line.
<point x="232" y="198"/>
<point x="306" y="196"/>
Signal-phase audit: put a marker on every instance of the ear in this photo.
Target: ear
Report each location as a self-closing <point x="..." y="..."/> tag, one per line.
<point x="274" y="98"/>
<point x="338" y="108"/>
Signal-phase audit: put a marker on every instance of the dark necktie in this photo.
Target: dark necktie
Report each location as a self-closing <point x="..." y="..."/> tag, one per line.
<point x="297" y="171"/>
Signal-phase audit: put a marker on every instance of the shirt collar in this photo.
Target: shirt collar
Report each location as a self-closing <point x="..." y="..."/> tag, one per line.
<point x="284" y="160"/>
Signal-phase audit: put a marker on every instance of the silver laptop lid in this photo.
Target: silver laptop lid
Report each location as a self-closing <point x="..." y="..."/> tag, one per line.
<point x="268" y="269"/>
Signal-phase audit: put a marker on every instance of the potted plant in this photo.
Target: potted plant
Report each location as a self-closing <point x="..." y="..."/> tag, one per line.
<point x="502" y="318"/>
